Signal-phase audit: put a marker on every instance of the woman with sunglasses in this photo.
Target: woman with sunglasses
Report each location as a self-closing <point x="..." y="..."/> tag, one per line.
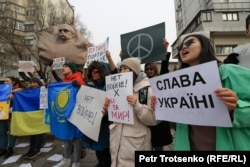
<point x="96" y="73"/>
<point x="197" y="49"/>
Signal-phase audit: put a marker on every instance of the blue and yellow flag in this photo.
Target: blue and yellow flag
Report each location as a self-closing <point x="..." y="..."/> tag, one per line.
<point x="5" y="91"/>
<point x="61" y="102"/>
<point x="27" y="118"/>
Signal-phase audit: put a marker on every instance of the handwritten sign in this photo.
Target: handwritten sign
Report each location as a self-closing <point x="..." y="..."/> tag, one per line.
<point x="58" y="63"/>
<point x="87" y="114"/>
<point x="244" y="54"/>
<point x="118" y="87"/>
<point x="43" y="97"/>
<point x="187" y="96"/>
<point x="26" y="66"/>
<point x="97" y="53"/>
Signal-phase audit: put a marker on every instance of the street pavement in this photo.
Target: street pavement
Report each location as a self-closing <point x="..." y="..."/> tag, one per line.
<point x="41" y="160"/>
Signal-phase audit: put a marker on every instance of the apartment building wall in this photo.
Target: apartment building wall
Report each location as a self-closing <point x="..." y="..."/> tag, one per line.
<point x="215" y="17"/>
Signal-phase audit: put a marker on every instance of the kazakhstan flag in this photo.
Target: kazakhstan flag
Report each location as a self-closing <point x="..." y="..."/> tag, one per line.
<point x="61" y="102"/>
<point x="27" y="118"/>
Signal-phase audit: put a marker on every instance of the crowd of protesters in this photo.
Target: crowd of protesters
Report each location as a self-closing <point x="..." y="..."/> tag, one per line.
<point x="118" y="142"/>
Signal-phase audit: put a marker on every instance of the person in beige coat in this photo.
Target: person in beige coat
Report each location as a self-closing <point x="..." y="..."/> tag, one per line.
<point x="125" y="139"/>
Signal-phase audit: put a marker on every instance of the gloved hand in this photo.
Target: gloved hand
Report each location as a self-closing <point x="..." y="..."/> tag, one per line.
<point x="75" y="83"/>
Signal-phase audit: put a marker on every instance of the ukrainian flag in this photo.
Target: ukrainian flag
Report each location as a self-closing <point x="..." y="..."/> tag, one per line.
<point x="5" y="91"/>
<point x="27" y="118"/>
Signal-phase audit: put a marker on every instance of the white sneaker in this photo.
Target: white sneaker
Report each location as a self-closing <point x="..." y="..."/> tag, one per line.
<point x="64" y="163"/>
<point x="76" y="164"/>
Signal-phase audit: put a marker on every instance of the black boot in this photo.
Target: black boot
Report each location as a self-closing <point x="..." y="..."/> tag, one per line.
<point x="2" y="151"/>
<point x="8" y="153"/>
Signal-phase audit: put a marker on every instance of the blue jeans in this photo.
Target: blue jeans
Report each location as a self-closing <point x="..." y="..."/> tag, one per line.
<point x="6" y="140"/>
<point x="77" y="143"/>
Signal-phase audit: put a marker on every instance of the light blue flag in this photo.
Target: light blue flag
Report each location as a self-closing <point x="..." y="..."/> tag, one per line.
<point x="5" y="91"/>
<point x="61" y="102"/>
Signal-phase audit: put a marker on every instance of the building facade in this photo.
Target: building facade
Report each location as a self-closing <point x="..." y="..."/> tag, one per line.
<point x="222" y="20"/>
<point x="20" y="23"/>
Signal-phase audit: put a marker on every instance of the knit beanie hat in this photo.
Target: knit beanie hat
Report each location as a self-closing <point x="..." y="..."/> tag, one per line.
<point x="36" y="80"/>
<point x="134" y="63"/>
<point x="71" y="65"/>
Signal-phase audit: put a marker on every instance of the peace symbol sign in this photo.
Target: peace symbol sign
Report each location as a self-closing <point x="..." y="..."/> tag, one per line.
<point x="140" y="45"/>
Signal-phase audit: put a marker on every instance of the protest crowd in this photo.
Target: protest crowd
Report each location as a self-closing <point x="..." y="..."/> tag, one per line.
<point x="116" y="111"/>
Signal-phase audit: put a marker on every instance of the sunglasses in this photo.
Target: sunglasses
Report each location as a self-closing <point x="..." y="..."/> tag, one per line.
<point x="95" y="71"/>
<point x="63" y="30"/>
<point x="187" y="44"/>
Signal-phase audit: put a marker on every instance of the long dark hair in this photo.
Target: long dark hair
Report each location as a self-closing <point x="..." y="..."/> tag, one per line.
<point x="207" y="50"/>
<point x="102" y="67"/>
<point x="16" y="82"/>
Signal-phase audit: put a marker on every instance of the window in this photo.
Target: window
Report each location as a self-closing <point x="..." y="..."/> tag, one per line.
<point x="230" y="16"/>
<point x="18" y="9"/>
<point x="29" y="41"/>
<point x="178" y="3"/>
<point x="2" y="6"/>
<point x="31" y="12"/>
<point x="224" y="50"/>
<point x="206" y="16"/>
<point x="29" y="27"/>
<point x="19" y="26"/>
<point x="2" y="22"/>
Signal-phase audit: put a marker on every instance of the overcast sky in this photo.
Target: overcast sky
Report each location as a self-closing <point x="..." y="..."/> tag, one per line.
<point x="111" y="18"/>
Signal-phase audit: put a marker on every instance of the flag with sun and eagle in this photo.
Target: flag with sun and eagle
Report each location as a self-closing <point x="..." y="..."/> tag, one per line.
<point x="61" y="102"/>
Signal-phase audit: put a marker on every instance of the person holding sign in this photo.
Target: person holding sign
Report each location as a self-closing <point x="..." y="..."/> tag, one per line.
<point x="158" y="140"/>
<point x="7" y="141"/>
<point x="125" y="139"/>
<point x="96" y="79"/>
<point x="196" y="49"/>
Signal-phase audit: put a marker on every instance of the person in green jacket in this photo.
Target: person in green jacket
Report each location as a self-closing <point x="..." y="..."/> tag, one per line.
<point x="197" y="49"/>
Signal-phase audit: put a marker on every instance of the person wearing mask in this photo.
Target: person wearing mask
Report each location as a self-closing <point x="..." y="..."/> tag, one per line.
<point x="35" y="140"/>
<point x="70" y="73"/>
<point x="197" y="49"/>
<point x="125" y="139"/>
<point x="96" y="79"/>
<point x="160" y="134"/>
<point x="7" y="141"/>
